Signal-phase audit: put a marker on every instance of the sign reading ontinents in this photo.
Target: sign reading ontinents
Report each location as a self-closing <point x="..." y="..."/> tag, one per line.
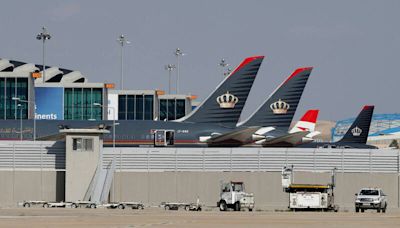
<point x="49" y="103"/>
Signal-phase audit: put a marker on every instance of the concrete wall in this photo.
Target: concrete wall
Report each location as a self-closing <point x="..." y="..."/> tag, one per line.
<point x="152" y="188"/>
<point x="156" y="187"/>
<point x="30" y="185"/>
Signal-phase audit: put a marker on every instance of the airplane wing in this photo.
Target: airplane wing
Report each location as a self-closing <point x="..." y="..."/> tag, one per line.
<point x="292" y="139"/>
<point x="241" y="136"/>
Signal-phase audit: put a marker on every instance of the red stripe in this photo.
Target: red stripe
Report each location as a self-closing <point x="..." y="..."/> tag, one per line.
<point x="310" y="116"/>
<point x="366" y="107"/>
<point x="296" y="72"/>
<point x="245" y="62"/>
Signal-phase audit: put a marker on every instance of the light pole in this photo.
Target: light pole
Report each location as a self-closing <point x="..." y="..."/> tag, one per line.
<point x="169" y="68"/>
<point x="20" y="120"/>
<point x="178" y="53"/>
<point x="113" y="109"/>
<point x="228" y="72"/>
<point x="122" y="41"/>
<point x="223" y="64"/>
<point x="44" y="35"/>
<point x="34" y="113"/>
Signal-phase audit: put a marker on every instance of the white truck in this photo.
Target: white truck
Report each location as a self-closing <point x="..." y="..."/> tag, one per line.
<point x="371" y="198"/>
<point x="233" y="196"/>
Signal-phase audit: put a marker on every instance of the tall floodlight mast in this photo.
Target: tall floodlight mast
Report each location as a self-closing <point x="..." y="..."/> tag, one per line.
<point x="169" y="68"/>
<point x="178" y="53"/>
<point x="122" y="40"/>
<point x="43" y="36"/>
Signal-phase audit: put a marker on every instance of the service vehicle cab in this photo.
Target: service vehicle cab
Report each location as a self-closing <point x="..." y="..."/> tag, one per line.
<point x="371" y="198"/>
<point x="233" y="196"/>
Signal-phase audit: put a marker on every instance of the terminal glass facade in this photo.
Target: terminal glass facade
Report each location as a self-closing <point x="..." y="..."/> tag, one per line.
<point x="172" y="109"/>
<point x="135" y="107"/>
<point x="78" y="103"/>
<point x="9" y="88"/>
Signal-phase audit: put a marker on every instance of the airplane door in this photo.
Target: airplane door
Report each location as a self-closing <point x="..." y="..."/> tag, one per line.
<point x="164" y="137"/>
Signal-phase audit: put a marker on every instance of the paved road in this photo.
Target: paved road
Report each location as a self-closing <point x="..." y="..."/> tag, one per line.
<point x="155" y="217"/>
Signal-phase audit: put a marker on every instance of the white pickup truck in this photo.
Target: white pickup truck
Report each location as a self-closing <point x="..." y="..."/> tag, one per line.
<point x="371" y="198"/>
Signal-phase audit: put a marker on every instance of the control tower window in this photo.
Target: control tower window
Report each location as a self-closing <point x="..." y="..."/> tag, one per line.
<point x="82" y="144"/>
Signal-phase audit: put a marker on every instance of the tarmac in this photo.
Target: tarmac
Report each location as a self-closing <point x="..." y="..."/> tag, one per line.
<point x="158" y="217"/>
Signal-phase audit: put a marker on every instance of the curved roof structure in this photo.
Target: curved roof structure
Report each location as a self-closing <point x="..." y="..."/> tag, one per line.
<point x="74" y="76"/>
<point x="5" y="65"/>
<point x="53" y="74"/>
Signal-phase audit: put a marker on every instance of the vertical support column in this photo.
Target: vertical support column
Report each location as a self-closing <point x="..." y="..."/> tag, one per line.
<point x="370" y="161"/>
<point x="230" y="159"/>
<point x="176" y="176"/>
<point x="398" y="179"/>
<point x="120" y="174"/>
<point x="259" y="160"/>
<point x="204" y="157"/>
<point x="314" y="166"/>
<point x="148" y="178"/>
<point x="286" y="156"/>
<point x="342" y="161"/>
<point x="13" y="181"/>
<point x="41" y="171"/>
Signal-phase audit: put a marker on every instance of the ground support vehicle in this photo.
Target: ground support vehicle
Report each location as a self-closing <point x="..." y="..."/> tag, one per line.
<point x="85" y="204"/>
<point x="309" y="196"/>
<point x="56" y="204"/>
<point x="233" y="195"/>
<point x="371" y="198"/>
<point x="123" y="205"/>
<point x="29" y="203"/>
<point x="186" y="206"/>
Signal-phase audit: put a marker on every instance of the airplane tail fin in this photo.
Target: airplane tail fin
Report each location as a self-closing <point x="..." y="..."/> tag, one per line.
<point x="278" y="110"/>
<point x="307" y="122"/>
<point x="225" y="104"/>
<point x="358" y="132"/>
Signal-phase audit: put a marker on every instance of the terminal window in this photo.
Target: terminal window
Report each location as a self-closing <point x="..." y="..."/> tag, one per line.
<point x="82" y="144"/>
<point x="135" y="107"/>
<point x="172" y="109"/>
<point x="78" y="103"/>
<point x="9" y="88"/>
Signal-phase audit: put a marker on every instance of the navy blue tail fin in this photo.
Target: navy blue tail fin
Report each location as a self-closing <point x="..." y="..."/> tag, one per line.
<point x="226" y="103"/>
<point x="359" y="130"/>
<point x="278" y="110"/>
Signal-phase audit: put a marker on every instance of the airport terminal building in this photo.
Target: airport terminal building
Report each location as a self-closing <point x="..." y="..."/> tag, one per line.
<point x="67" y="95"/>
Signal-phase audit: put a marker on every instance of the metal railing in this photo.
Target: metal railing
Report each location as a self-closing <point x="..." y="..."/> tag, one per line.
<point x="253" y="159"/>
<point x="46" y="155"/>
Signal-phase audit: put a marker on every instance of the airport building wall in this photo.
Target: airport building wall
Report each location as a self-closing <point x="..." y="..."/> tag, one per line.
<point x="36" y="171"/>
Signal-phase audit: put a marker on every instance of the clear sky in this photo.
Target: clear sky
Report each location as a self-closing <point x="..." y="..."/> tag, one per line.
<point x="353" y="45"/>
